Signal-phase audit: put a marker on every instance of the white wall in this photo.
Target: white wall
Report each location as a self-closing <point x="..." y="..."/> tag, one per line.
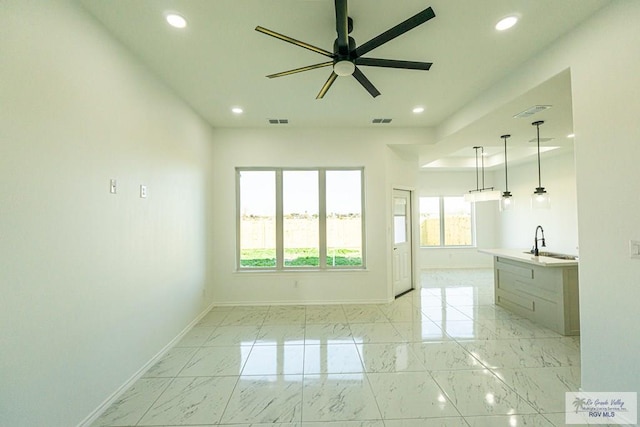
<point x="311" y="148"/>
<point x="606" y="105"/>
<point x="516" y="227"/>
<point x="440" y="183"/>
<point x="606" y="108"/>
<point x="93" y="284"/>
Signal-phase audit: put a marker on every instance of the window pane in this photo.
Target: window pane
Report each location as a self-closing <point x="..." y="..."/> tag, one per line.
<point x="457" y="222"/>
<point x="399" y="220"/>
<point x="429" y="221"/>
<point x="257" y="219"/>
<point x="300" y="218"/>
<point x="344" y="218"/>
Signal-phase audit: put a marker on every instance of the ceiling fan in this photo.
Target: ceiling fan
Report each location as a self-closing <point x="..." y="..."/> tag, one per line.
<point x="346" y="56"/>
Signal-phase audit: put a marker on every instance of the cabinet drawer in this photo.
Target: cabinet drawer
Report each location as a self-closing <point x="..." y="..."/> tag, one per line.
<point x="510" y="300"/>
<point x="518" y="270"/>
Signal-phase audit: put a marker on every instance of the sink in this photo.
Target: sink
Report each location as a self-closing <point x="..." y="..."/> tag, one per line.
<point x="556" y="255"/>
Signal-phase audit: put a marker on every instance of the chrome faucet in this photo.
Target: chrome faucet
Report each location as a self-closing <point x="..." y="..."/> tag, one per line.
<point x="535" y="251"/>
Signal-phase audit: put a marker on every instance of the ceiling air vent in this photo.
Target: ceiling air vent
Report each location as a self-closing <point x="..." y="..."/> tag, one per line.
<point x="541" y="139"/>
<point x="531" y="111"/>
<point x="381" y="121"/>
<point x="279" y="121"/>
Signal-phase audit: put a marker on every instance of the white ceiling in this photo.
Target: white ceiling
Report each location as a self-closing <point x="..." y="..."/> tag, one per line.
<point x="456" y="152"/>
<point x="219" y="62"/>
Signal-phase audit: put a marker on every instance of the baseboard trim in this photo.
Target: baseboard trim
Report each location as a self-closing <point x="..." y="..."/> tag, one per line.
<point x="267" y="303"/>
<point x="404" y="293"/>
<point x="96" y="413"/>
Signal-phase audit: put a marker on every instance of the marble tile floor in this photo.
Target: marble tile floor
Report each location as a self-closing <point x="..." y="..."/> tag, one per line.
<point x="442" y="355"/>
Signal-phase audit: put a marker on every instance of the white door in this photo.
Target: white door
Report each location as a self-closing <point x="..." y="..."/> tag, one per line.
<point x="402" y="247"/>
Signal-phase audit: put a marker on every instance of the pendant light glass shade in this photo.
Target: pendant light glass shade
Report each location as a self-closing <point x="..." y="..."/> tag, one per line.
<point x="506" y="201"/>
<point x="540" y="198"/>
<point x="481" y="194"/>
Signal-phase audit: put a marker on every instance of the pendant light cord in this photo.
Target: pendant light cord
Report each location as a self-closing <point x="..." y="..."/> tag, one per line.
<point x="538" y="132"/>
<point x="506" y="180"/>
<point x="482" y="156"/>
<point x="477" y="178"/>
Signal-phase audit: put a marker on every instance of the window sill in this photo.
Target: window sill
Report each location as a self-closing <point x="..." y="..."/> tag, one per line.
<point x="449" y="247"/>
<point x="302" y="270"/>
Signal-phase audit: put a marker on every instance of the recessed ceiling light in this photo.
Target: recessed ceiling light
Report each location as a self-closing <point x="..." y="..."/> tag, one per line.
<point x="237" y="110"/>
<point x="418" y="110"/>
<point x="506" y="23"/>
<point x="175" y="20"/>
<point x="571" y="135"/>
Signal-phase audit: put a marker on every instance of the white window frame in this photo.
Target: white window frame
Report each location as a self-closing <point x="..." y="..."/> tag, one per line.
<point x="442" y="226"/>
<point x="322" y="217"/>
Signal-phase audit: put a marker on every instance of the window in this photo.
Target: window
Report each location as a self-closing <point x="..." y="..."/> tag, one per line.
<point x="445" y="221"/>
<point x="300" y="218"/>
<point x="258" y="218"/>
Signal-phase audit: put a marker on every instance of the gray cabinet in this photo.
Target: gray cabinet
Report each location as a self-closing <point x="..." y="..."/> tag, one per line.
<point x="547" y="295"/>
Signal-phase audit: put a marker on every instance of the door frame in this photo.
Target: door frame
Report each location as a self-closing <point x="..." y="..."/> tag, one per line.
<point x="414" y="230"/>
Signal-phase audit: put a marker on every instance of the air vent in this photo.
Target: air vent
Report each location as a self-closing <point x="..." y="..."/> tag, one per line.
<point x="279" y="121"/>
<point x="541" y="139"/>
<point x="381" y="121"/>
<point x="531" y="111"/>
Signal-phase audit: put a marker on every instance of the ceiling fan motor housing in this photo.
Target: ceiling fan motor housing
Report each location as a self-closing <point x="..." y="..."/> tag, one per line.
<point x="343" y="65"/>
<point x="352" y="48"/>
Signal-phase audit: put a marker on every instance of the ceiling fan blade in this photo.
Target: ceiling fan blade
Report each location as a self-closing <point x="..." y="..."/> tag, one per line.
<point x="364" y="81"/>
<point x="398" y="30"/>
<point x="301" y="69"/>
<point x="342" y="27"/>
<point x="294" y="41"/>
<point x="392" y="63"/>
<point x="327" y="85"/>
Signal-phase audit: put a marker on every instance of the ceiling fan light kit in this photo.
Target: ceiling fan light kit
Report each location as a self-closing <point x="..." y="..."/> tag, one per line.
<point x="344" y="68"/>
<point x="347" y="56"/>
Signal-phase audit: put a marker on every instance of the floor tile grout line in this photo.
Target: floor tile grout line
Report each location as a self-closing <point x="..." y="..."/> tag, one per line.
<point x="513" y="389"/>
<point x="375" y="398"/>
<point x="226" y="406"/>
<point x="429" y="374"/>
<point x="173" y="378"/>
<point x="156" y="400"/>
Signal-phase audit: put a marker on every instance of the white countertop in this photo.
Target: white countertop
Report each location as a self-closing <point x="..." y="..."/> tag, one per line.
<point x="524" y="256"/>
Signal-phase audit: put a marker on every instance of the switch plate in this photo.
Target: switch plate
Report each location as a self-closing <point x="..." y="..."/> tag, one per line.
<point x="143" y="191"/>
<point x="634" y="249"/>
<point x="113" y="186"/>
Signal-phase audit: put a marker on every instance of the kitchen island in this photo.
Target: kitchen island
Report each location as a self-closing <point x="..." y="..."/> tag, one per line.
<point x="543" y="289"/>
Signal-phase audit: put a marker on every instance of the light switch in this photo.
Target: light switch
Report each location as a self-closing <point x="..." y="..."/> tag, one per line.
<point x="634" y="249"/>
<point x="112" y="186"/>
<point x="143" y="191"/>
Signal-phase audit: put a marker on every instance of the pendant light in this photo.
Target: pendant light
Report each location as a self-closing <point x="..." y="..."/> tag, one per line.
<point x="506" y="202"/>
<point x="481" y="194"/>
<point x="540" y="198"/>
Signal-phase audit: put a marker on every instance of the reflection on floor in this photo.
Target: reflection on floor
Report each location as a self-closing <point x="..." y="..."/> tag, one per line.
<point x="443" y="355"/>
